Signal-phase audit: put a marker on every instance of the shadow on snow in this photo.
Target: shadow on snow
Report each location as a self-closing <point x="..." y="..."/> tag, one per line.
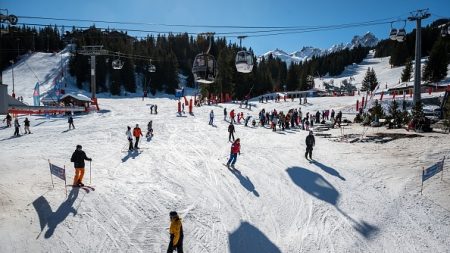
<point x="328" y="170"/>
<point x="245" y="181"/>
<point x="317" y="186"/>
<point x="50" y="218"/>
<point x="247" y="238"/>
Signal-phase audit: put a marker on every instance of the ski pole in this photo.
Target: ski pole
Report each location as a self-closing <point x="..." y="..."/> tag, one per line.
<point x="90" y="174"/>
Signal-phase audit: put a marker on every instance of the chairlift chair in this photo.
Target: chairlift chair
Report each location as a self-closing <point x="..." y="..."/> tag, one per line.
<point x="151" y="67"/>
<point x="401" y="35"/>
<point x="117" y="63"/>
<point x="204" y="68"/>
<point x="444" y="31"/>
<point x="244" y="59"/>
<point x="393" y="34"/>
<point x="244" y="62"/>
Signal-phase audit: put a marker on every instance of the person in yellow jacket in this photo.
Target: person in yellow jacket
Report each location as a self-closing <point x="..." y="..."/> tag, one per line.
<point x="176" y="233"/>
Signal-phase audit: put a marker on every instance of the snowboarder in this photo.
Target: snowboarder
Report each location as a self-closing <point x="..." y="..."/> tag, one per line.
<point x="310" y="142"/>
<point x="27" y="126"/>
<point x="211" y="117"/>
<point x="137" y="133"/>
<point x="231" y="131"/>
<point x="78" y="158"/>
<point x="235" y="150"/>
<point x="8" y="119"/>
<point x="130" y="138"/>
<point x="224" y="114"/>
<point x="70" y="121"/>
<point x="16" y="127"/>
<point x="149" y="129"/>
<point x="176" y="233"/>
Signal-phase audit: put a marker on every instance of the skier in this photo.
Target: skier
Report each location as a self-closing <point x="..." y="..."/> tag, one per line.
<point x="16" y="127"/>
<point x="176" y="233"/>
<point x="211" y="117"/>
<point x="231" y="131"/>
<point x="232" y="116"/>
<point x="149" y="129"/>
<point x="130" y="138"/>
<point x="137" y="133"/>
<point x="151" y="109"/>
<point x="235" y="150"/>
<point x="8" y="119"/>
<point x="70" y="121"/>
<point x="247" y="119"/>
<point x="78" y="158"/>
<point x="156" y="109"/>
<point x="27" y="126"/>
<point x="224" y="114"/>
<point x="310" y="142"/>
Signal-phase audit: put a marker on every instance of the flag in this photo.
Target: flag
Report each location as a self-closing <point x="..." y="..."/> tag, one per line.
<point x="58" y="171"/>
<point x="433" y="170"/>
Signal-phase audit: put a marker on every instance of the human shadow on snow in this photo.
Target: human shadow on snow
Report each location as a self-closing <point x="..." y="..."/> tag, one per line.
<point x="245" y="181"/>
<point x="317" y="186"/>
<point x="131" y="154"/>
<point x="328" y="170"/>
<point x="50" y="218"/>
<point x="247" y="238"/>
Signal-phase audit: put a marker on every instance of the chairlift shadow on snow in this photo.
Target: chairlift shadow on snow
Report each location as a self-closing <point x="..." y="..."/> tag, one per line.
<point x="248" y="238"/>
<point x="245" y="181"/>
<point x="131" y="154"/>
<point x="317" y="186"/>
<point x="52" y="219"/>
<point x="328" y="170"/>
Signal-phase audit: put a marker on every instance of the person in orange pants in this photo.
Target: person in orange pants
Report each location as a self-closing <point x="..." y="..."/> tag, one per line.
<point x="78" y="158"/>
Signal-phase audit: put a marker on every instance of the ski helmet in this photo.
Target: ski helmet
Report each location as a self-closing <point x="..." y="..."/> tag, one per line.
<point x="79" y="146"/>
<point x="173" y="214"/>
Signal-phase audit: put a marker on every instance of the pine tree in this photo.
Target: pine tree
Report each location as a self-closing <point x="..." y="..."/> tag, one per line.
<point x="395" y="115"/>
<point x="370" y="80"/>
<point x="436" y="67"/>
<point x="407" y="71"/>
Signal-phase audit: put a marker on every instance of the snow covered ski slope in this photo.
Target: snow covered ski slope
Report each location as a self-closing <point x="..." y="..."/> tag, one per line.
<point x="354" y="197"/>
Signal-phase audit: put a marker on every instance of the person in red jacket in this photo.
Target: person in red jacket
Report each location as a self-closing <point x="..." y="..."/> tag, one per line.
<point x="137" y="133"/>
<point x="235" y="150"/>
<point x="232" y="116"/>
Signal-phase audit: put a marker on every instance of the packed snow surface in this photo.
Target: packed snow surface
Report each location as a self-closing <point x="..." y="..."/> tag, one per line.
<point x="354" y="197"/>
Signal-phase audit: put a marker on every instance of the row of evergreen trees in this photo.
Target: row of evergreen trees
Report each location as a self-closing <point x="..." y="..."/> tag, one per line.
<point x="172" y="55"/>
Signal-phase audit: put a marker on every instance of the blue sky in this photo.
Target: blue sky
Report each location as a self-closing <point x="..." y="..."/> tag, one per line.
<point x="236" y="13"/>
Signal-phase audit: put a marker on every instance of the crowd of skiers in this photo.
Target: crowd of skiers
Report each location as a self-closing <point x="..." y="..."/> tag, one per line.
<point x="137" y="134"/>
<point x="17" y="130"/>
<point x="293" y="118"/>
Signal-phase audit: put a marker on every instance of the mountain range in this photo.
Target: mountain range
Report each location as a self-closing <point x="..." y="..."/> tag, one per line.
<point x="307" y="52"/>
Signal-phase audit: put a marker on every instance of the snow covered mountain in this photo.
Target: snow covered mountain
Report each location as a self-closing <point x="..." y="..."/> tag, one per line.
<point x="307" y="52"/>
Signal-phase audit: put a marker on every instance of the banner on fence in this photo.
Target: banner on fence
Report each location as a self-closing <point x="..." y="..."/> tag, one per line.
<point x="431" y="171"/>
